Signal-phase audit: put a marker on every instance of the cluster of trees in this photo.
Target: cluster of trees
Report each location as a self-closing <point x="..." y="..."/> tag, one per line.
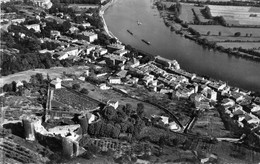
<point x="176" y="8"/>
<point x="20" y="62"/>
<point x="36" y="83"/>
<point x="193" y="32"/>
<point x="121" y="120"/>
<point x="54" y="25"/>
<point x="227" y="3"/>
<point x="9" y="7"/>
<point x="79" y="1"/>
<point x="207" y="14"/>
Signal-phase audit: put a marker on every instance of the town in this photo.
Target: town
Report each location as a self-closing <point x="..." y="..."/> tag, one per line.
<point x="84" y="96"/>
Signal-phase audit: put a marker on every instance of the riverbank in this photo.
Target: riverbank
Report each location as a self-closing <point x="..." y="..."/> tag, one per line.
<point x="101" y="14"/>
<point x="213" y="37"/>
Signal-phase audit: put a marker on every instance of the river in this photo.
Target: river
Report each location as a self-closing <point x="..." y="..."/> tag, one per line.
<point x="123" y="15"/>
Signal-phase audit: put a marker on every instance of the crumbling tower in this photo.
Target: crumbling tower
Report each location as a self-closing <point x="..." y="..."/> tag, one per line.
<point x="70" y="148"/>
<point x="48" y="104"/>
<point x="83" y="121"/>
<point x="67" y="147"/>
<point x="28" y="125"/>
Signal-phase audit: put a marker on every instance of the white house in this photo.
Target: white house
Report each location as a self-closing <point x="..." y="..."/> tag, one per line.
<point x="209" y="93"/>
<point x="103" y="86"/>
<point x="114" y="80"/>
<point x="36" y="27"/>
<point x="56" y="83"/>
<point x="113" y="103"/>
<point x="71" y="51"/>
<point x="18" y="84"/>
<point x="91" y="37"/>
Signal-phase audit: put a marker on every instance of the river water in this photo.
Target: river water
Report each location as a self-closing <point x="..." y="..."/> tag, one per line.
<point x="124" y="14"/>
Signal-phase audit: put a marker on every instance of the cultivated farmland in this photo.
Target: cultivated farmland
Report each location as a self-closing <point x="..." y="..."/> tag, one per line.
<point x="186" y="13"/>
<point x="237" y="15"/>
<point x="245" y="45"/>
<point x="225" y="31"/>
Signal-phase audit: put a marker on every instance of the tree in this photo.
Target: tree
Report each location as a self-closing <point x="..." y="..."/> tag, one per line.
<point x="76" y="86"/>
<point x="237" y="34"/>
<point x="109" y="113"/>
<point x="140" y="109"/>
<point x="7" y="88"/>
<point x="128" y="109"/>
<point x="81" y="28"/>
<point x="66" y="25"/>
<point x="84" y="91"/>
<point x="14" y="86"/>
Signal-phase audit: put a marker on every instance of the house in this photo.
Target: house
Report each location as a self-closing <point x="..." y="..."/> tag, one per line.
<point x="121" y="66"/>
<point x="82" y="78"/>
<point x="203" y="104"/>
<point x="115" y="47"/>
<point x="46" y="51"/>
<point x="91" y="37"/>
<point x="103" y="86"/>
<point x="88" y="49"/>
<point x="237" y="96"/>
<point x="55" y="34"/>
<point x="18" y="20"/>
<point x="114" y="80"/>
<point x="167" y="63"/>
<point x="209" y="93"/>
<point x="255" y="108"/>
<point x="35" y="27"/>
<point x="237" y="110"/>
<point x="120" y="52"/>
<point x="184" y="92"/>
<point x="73" y="30"/>
<point x="71" y="51"/>
<point x="227" y="103"/>
<point x="113" y="103"/>
<point x="134" y="80"/>
<point x="165" y="91"/>
<point x="148" y="79"/>
<point x="122" y="73"/>
<point x="56" y="83"/>
<point x="18" y="84"/>
<point x="112" y="59"/>
<point x="46" y="4"/>
<point x="86" y="24"/>
<point x="218" y="86"/>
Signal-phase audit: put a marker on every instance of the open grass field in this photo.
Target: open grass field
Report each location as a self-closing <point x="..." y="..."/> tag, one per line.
<point x="230" y="38"/>
<point x="245" y="45"/>
<point x="26" y="75"/>
<point x="225" y="31"/>
<point x="236" y="15"/>
<point x="104" y="95"/>
<point x="199" y="14"/>
<point x="210" y="124"/>
<point x="186" y="13"/>
<point x="73" y="100"/>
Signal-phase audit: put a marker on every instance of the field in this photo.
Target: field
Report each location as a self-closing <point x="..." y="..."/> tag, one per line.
<point x="73" y="100"/>
<point x="245" y="45"/>
<point x="186" y="13"/>
<point x="104" y="95"/>
<point x="236" y="15"/>
<point x="210" y="124"/>
<point x="26" y="75"/>
<point x="230" y="38"/>
<point x="225" y="31"/>
<point x="199" y="14"/>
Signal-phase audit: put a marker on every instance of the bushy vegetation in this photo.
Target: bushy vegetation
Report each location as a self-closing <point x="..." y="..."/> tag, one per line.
<point x="121" y="120"/>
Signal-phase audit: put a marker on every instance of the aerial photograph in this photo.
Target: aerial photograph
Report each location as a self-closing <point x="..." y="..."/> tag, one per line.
<point x="130" y="82"/>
